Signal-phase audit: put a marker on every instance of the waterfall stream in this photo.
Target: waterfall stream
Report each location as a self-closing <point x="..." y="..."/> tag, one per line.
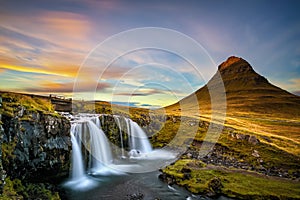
<point x="117" y="119"/>
<point x="99" y="172"/>
<point x="138" y="138"/>
<point x="93" y="155"/>
<point x="77" y="163"/>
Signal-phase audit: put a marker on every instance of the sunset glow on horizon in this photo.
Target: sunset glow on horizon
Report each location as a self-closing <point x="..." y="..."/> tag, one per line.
<point x="43" y="45"/>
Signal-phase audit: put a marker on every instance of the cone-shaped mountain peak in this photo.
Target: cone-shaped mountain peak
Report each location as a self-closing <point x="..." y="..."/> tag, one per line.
<point x="246" y="92"/>
<point x="235" y="65"/>
<point x="238" y="74"/>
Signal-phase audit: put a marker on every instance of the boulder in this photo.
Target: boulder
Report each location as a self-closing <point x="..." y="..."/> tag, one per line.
<point x="255" y="154"/>
<point x="253" y="140"/>
<point x="240" y="136"/>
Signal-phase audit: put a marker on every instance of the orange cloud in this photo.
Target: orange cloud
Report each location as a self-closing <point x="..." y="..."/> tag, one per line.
<point x="65" y="29"/>
<point x="48" y="87"/>
<point x="59" y="72"/>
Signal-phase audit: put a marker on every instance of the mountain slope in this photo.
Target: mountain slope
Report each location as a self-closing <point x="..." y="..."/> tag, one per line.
<point x="246" y="92"/>
<point x="255" y="109"/>
<point x="253" y="104"/>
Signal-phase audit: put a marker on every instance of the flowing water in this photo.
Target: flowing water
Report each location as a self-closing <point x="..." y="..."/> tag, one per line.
<point x="101" y="174"/>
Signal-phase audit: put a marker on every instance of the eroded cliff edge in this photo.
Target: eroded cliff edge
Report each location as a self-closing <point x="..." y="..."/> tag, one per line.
<point x="35" y="141"/>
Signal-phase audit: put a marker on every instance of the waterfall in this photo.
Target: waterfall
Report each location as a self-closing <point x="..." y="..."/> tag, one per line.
<point x="121" y="135"/>
<point x="138" y="139"/>
<point x="79" y="180"/>
<point x="96" y="121"/>
<point x="99" y="147"/>
<point x="77" y="162"/>
<point x="88" y="136"/>
<point x="87" y="131"/>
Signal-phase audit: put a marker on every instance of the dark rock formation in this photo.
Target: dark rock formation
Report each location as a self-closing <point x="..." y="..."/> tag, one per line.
<point x="2" y="172"/>
<point x="36" y="147"/>
<point x="215" y="186"/>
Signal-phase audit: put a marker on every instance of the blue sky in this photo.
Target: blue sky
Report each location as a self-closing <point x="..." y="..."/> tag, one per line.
<point x="44" y="43"/>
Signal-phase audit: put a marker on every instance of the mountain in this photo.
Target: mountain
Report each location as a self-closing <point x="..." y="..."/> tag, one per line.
<point x="247" y="92"/>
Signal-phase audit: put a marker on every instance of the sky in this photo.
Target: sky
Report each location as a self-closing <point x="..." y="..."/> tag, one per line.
<point x="105" y="50"/>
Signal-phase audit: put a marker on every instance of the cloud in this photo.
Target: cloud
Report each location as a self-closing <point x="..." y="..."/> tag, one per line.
<point x="125" y="103"/>
<point x="29" y="54"/>
<point x="65" y="29"/>
<point x="53" y="87"/>
<point x="57" y="72"/>
<point x="141" y="92"/>
<point x="296" y="93"/>
<point x="292" y="85"/>
<point x="69" y="29"/>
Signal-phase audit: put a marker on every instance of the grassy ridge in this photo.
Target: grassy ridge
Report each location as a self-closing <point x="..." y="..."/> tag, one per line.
<point x="13" y="103"/>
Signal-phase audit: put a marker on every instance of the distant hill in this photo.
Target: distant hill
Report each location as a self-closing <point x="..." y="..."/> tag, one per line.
<point x="247" y="92"/>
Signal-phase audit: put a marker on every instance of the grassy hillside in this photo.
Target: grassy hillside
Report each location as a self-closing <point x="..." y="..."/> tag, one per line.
<point x="13" y="102"/>
<point x="257" y="155"/>
<point x="253" y="104"/>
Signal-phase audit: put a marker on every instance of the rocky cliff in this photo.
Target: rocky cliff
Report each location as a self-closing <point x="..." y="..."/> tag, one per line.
<point x="35" y="143"/>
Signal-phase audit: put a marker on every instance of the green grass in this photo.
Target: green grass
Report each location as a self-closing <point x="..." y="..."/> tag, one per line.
<point x="271" y="155"/>
<point x="7" y="151"/>
<point x="14" y="102"/>
<point x="15" y="189"/>
<point x="234" y="184"/>
<point x="166" y="134"/>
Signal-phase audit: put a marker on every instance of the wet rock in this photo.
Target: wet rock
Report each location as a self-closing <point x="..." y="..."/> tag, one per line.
<point x="166" y="178"/>
<point x="135" y="196"/>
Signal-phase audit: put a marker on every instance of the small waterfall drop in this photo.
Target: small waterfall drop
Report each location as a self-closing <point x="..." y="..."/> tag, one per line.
<point x="96" y="120"/>
<point x="79" y="180"/>
<point x="138" y="139"/>
<point x="99" y="147"/>
<point x="117" y="119"/>
<point x="77" y="162"/>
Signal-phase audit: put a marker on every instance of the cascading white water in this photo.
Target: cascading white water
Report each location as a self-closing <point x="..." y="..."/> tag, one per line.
<point x="79" y="180"/>
<point x="96" y="121"/>
<point x="117" y="119"/>
<point x="99" y="147"/>
<point x="86" y="133"/>
<point x="77" y="162"/>
<point x="138" y="139"/>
